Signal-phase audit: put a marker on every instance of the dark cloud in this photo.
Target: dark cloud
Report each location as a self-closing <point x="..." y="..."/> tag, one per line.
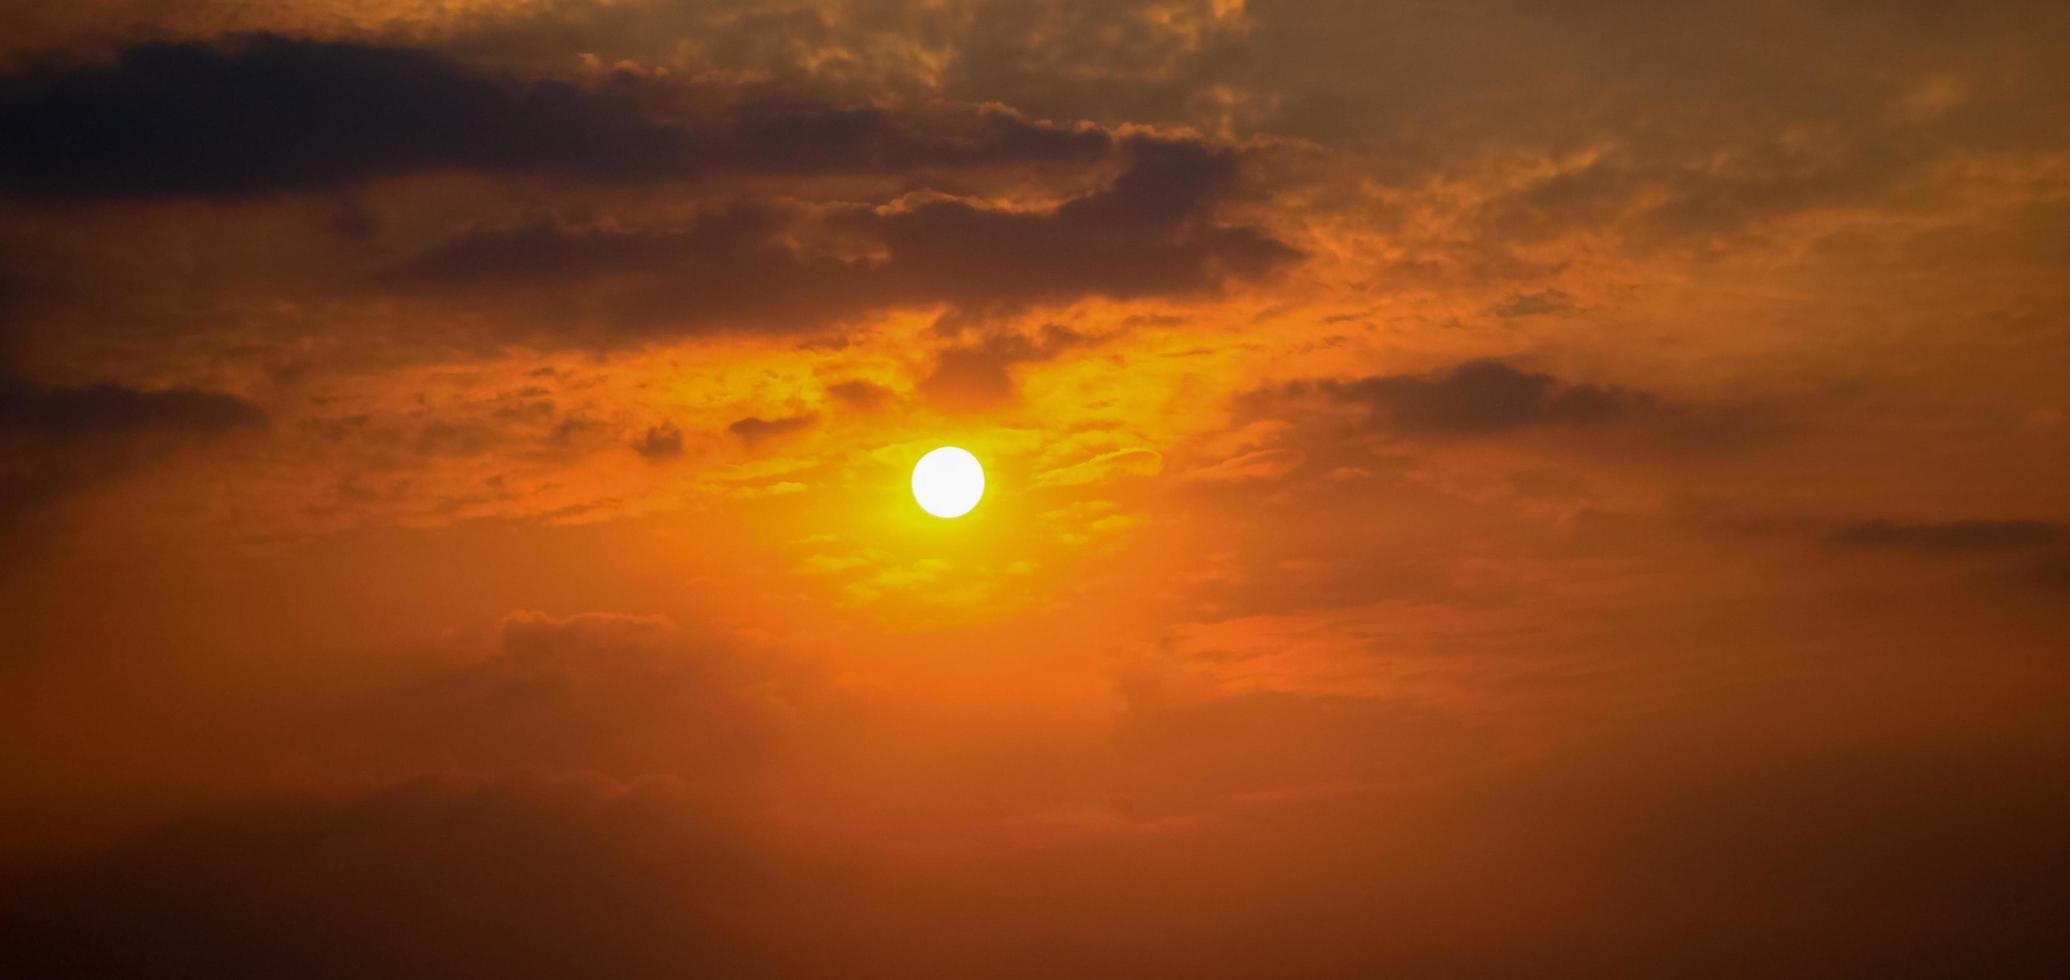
<point x="1485" y="396"/>
<point x="980" y="375"/>
<point x="265" y="113"/>
<point x="804" y="136"/>
<point x="1540" y="303"/>
<point x="861" y="395"/>
<point x="1674" y="126"/>
<point x="1948" y="536"/>
<point x="765" y="265"/>
<point x="1149" y="233"/>
<point x="734" y="267"/>
<point x="1344" y="436"/>
<point x="544" y="251"/>
<point x="114" y="409"/>
<point x="56" y="440"/>
<point x="755" y="431"/>
<point x="660" y="442"/>
<point x="2052" y="572"/>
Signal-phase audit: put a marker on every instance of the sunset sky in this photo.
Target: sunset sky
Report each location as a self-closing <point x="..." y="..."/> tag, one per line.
<point x="1477" y="489"/>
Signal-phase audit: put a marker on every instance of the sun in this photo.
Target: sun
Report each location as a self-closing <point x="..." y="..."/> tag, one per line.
<point x="948" y="482"/>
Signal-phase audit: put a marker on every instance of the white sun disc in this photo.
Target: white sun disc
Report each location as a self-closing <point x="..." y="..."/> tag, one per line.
<point x="948" y="482"/>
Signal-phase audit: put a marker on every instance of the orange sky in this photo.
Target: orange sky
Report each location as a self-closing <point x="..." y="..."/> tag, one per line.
<point x="1482" y="489"/>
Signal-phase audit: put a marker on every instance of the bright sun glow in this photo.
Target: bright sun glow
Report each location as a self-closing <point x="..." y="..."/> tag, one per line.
<point x="948" y="482"/>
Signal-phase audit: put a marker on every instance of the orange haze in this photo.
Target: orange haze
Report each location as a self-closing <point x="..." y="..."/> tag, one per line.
<point x="1473" y="490"/>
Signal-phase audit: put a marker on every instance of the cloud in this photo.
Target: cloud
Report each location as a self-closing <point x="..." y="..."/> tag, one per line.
<point x="109" y="409"/>
<point x="798" y="135"/>
<point x="862" y="396"/>
<point x="1539" y="303"/>
<point x="259" y="114"/>
<point x="780" y="266"/>
<point x="1489" y="397"/>
<point x="1259" y="464"/>
<point x="2039" y="551"/>
<point x="757" y="431"/>
<point x="1947" y="536"/>
<point x="55" y="441"/>
<point x="979" y="375"/>
<point x="263" y="113"/>
<point x="1149" y="233"/>
<point x="1485" y="396"/>
<point x="1104" y="468"/>
<point x="660" y="442"/>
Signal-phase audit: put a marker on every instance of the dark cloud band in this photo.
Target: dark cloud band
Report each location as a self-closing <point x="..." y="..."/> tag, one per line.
<point x="116" y="409"/>
<point x="781" y="266"/>
<point x="262" y="114"/>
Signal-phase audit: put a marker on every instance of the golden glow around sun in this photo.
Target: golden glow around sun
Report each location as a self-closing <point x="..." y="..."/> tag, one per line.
<point x="948" y="482"/>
